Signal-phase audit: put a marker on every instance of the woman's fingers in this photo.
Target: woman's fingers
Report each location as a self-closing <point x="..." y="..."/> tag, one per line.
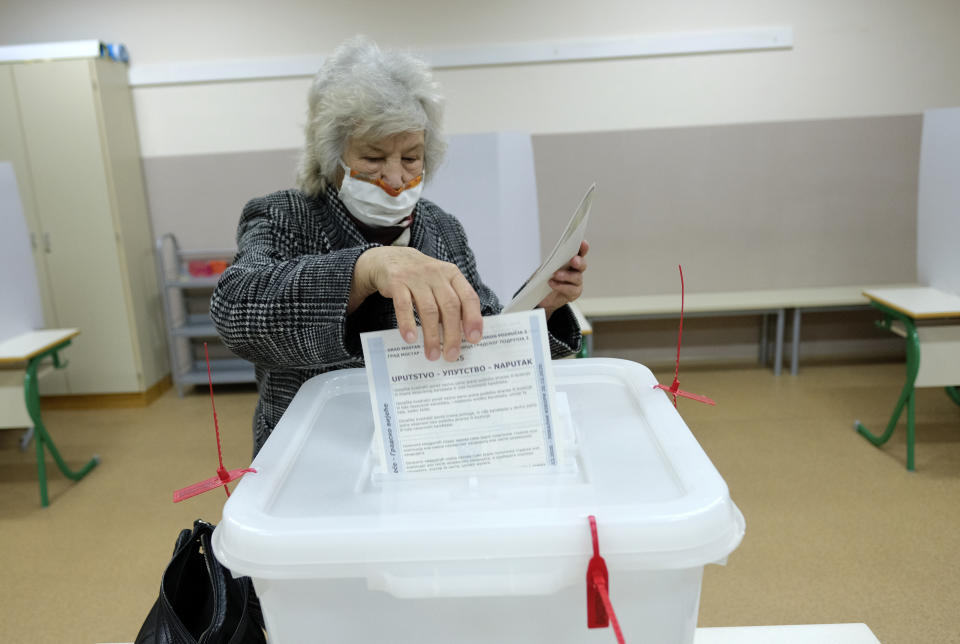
<point x="448" y="306"/>
<point x="471" y="316"/>
<point x="429" y="312"/>
<point x="566" y="284"/>
<point x="563" y="276"/>
<point x="567" y="290"/>
<point x="406" y="322"/>
<point x="460" y="314"/>
<point x="572" y="274"/>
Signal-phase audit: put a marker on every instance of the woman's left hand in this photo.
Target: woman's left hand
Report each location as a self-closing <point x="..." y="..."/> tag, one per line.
<point x="567" y="282"/>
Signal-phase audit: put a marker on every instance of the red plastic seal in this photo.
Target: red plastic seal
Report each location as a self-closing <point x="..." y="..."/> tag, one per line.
<point x="600" y="613"/>
<point x="224" y="475"/>
<point x="674" y="388"/>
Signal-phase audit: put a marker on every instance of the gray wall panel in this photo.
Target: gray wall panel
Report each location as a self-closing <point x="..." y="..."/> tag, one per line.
<point x="752" y="206"/>
<point x="199" y="198"/>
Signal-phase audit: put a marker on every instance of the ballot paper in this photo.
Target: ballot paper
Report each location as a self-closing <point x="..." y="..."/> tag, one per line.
<point x="491" y="409"/>
<point x="537" y="287"/>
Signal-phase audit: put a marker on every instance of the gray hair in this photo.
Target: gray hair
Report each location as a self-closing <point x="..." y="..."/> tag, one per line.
<point x="363" y="92"/>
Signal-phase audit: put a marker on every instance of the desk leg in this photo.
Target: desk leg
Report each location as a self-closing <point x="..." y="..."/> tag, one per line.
<point x="25" y="439"/>
<point x="954" y="394"/>
<point x="907" y="395"/>
<point x="778" y="349"/>
<point x="764" y="340"/>
<point x="795" y="346"/>
<point x="41" y="437"/>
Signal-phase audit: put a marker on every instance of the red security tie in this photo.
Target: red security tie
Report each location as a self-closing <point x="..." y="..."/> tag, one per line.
<point x="224" y="475"/>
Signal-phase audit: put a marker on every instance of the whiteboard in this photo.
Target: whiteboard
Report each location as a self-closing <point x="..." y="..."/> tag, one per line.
<point x="22" y="309"/>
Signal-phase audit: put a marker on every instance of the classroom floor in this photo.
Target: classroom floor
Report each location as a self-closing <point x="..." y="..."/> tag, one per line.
<point x="837" y="530"/>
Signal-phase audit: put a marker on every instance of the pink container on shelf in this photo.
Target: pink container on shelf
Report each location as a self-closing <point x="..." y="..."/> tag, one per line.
<point x="199" y="268"/>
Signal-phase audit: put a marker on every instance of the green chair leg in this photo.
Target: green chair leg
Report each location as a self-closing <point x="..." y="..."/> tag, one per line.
<point x="954" y="394"/>
<point x="907" y="394"/>
<point x="41" y="436"/>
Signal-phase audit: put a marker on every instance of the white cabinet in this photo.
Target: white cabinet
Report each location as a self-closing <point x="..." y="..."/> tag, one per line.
<point x="68" y="127"/>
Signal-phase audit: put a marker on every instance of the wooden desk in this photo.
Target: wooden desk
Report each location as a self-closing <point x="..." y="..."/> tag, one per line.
<point x="939" y="343"/>
<point x="23" y="347"/>
<point x="27" y="351"/>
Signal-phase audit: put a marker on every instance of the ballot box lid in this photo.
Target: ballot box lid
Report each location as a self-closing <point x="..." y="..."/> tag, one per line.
<point x="316" y="508"/>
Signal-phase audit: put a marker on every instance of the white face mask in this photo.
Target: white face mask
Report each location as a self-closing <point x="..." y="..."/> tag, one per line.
<point x="375" y="203"/>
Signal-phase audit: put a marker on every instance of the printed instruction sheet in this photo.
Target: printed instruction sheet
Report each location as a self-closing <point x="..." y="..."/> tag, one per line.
<point x="490" y="409"/>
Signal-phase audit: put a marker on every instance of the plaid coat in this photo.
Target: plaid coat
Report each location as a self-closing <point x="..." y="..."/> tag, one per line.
<point x="283" y="303"/>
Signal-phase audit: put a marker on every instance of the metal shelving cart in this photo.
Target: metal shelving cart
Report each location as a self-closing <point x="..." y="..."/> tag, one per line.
<point x="185" y="301"/>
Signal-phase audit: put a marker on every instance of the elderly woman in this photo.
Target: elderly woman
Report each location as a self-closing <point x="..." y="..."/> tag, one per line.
<point x="355" y="248"/>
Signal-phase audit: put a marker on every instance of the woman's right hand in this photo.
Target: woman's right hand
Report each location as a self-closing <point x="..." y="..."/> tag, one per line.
<point x="445" y="300"/>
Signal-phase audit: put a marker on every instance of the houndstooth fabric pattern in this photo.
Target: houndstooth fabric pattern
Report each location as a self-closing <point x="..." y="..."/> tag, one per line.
<point x="282" y="304"/>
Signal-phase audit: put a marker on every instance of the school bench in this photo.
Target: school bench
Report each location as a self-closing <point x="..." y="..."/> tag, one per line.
<point x="769" y="304"/>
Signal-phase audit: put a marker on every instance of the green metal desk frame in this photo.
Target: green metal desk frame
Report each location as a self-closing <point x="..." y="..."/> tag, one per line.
<point x="31" y="393"/>
<point x="907" y="394"/>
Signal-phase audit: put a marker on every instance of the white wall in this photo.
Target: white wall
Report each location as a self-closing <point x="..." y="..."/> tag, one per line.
<point x="22" y="309"/>
<point x="938" y="203"/>
<point x="488" y="182"/>
<point x="850" y="58"/>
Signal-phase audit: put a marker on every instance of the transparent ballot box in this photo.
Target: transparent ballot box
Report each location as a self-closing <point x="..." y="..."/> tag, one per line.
<point x="342" y="552"/>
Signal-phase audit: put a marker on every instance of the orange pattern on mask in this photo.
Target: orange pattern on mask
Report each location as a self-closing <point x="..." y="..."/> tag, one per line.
<point x="393" y="192"/>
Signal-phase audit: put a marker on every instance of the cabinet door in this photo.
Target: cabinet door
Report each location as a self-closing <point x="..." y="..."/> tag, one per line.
<point x="131" y="218"/>
<point x="67" y="164"/>
<point x="13" y="149"/>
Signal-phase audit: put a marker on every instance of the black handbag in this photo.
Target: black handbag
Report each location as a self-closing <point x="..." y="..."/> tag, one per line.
<point x="200" y="602"/>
